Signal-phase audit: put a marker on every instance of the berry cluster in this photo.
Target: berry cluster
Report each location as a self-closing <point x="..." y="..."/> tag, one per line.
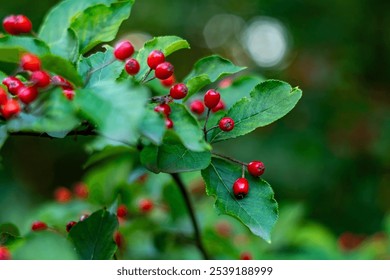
<point x="17" y="24"/>
<point x="123" y="51"/>
<point x="241" y="185"/>
<point x="64" y="195"/>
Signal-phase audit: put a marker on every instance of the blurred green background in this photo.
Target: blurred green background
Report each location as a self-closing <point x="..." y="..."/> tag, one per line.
<point x="328" y="160"/>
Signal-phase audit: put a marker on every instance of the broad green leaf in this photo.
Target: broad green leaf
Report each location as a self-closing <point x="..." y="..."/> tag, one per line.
<point x="208" y="70"/>
<point x="258" y="210"/>
<point x="62" y="67"/>
<point x="100" y="23"/>
<point x="107" y="153"/>
<point x="102" y="66"/>
<point x="9" y="234"/>
<point x="166" y="44"/>
<point x="149" y="156"/>
<point x="93" y="237"/>
<point x="153" y="125"/>
<point x="269" y="101"/>
<point x="116" y="108"/>
<point x="12" y="48"/>
<point x="44" y="245"/>
<point x="188" y="129"/>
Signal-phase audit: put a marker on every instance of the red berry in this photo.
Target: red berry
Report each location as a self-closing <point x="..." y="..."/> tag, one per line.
<point x="118" y="238"/>
<point x="17" y="24"/>
<point x="122" y="211"/>
<point x="123" y="50"/>
<point x="38" y="225"/>
<point x="163" y="108"/>
<point x="164" y="70"/>
<point x="10" y="108"/>
<point x="9" y="25"/>
<point x="83" y="217"/>
<point x="132" y="66"/>
<point x="62" y="82"/>
<point x="168" y="82"/>
<point x="155" y="58"/>
<point x="246" y="256"/>
<point x="70" y="225"/>
<point x="168" y="123"/>
<point x="3" y="96"/>
<point x="80" y="190"/>
<point x="13" y="84"/>
<point x="146" y="205"/>
<point x="28" y="94"/>
<point x="62" y="195"/>
<point x="225" y="83"/>
<point x="30" y="62"/>
<point x="69" y="93"/>
<point x="211" y="98"/>
<point x="4" y="254"/>
<point x="178" y="91"/>
<point x="197" y="107"/>
<point x="226" y="124"/>
<point x="220" y="106"/>
<point x="40" y="78"/>
<point x="240" y="188"/>
<point x="256" y="168"/>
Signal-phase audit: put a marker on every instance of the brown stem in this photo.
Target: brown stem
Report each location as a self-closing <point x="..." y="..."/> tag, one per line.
<point x="230" y="159"/>
<point x="205" y="124"/>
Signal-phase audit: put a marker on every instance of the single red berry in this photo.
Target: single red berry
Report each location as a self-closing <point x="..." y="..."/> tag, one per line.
<point x="349" y="241"/>
<point x="10" y="108"/>
<point x="155" y="58"/>
<point x="28" y="94"/>
<point x="70" y="225"/>
<point x="197" y="107"/>
<point x="220" y="106"/>
<point x="119" y="240"/>
<point x="132" y="66"/>
<point x="18" y="24"/>
<point x="9" y="25"/>
<point x="226" y="124"/>
<point x="168" y="123"/>
<point x="62" y="195"/>
<point x="13" y="84"/>
<point x="163" y="108"/>
<point x="246" y="256"/>
<point x="240" y="188"/>
<point x="4" y="254"/>
<point x="80" y="190"/>
<point x="211" y="98"/>
<point x="83" y="217"/>
<point x="123" y="50"/>
<point x="164" y="70"/>
<point x="178" y="91"/>
<point x="3" y="96"/>
<point x="146" y="205"/>
<point x="168" y="82"/>
<point x="122" y="211"/>
<point x="40" y="79"/>
<point x="256" y="168"/>
<point x="69" y="93"/>
<point x="30" y="62"/>
<point x="62" y="82"/>
<point x="223" y="228"/>
<point x="227" y="82"/>
<point x="38" y="225"/>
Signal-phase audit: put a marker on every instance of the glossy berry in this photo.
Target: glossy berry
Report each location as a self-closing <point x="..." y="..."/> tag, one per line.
<point x="13" y="84"/>
<point x="17" y="24"/>
<point x="3" y="96"/>
<point x="70" y="225"/>
<point x="10" y="108"/>
<point x="80" y="190"/>
<point x="163" y="108"/>
<point x="178" y="91"/>
<point x="28" y="94"/>
<point x="4" y="254"/>
<point x="211" y="98"/>
<point x="168" y="82"/>
<point x="132" y="66"/>
<point x="30" y="62"/>
<point x="168" y="123"/>
<point x="146" y="205"/>
<point x="197" y="107"/>
<point x="83" y="217"/>
<point x="122" y="211"/>
<point x="164" y="70"/>
<point x="62" y="82"/>
<point x="38" y="225"/>
<point x="240" y="188"/>
<point x="155" y="58"/>
<point x="226" y="124"/>
<point x="69" y="93"/>
<point x="256" y="168"/>
<point x="62" y="195"/>
<point x="246" y="256"/>
<point x="220" y="106"/>
<point x="40" y="79"/>
<point x="123" y="50"/>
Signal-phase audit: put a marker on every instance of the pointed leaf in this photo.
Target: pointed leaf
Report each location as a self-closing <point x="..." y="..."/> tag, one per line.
<point x="153" y="125"/>
<point x="62" y="67"/>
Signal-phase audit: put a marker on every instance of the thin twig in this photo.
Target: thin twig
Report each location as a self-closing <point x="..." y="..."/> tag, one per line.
<point x="198" y="239"/>
<point x="146" y="75"/>
<point x="211" y="128"/>
<point x="230" y="159"/>
<point x="205" y="124"/>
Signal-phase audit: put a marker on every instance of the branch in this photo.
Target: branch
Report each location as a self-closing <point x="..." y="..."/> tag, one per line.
<point x="190" y="208"/>
<point x="229" y="158"/>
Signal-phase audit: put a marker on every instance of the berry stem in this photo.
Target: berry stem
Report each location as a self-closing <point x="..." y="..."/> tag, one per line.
<point x="146" y="75"/>
<point x="90" y="72"/>
<point x="144" y="82"/>
<point x="190" y="208"/>
<point x="211" y="128"/>
<point x="205" y="124"/>
<point x="230" y="159"/>
<point x="243" y="171"/>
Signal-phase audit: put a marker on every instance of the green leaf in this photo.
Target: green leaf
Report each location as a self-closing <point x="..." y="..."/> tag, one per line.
<point x="116" y="108"/>
<point x="61" y="67"/>
<point x="208" y="70"/>
<point x="94" y="63"/>
<point x="187" y="128"/>
<point x="153" y="125"/>
<point x="149" y="157"/>
<point x="3" y="134"/>
<point x="9" y="234"/>
<point x="258" y="210"/>
<point x="100" y="23"/>
<point x="269" y="101"/>
<point x="93" y="237"/>
<point x="12" y="48"/>
<point x="166" y="44"/>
